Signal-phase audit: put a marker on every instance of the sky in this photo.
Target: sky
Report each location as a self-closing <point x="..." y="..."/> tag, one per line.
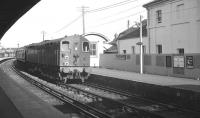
<point x="58" y="18"/>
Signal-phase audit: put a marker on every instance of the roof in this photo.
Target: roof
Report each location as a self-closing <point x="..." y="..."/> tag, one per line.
<point x="154" y="2"/>
<point x="112" y="49"/>
<point x="133" y="32"/>
<point x="11" y="11"/>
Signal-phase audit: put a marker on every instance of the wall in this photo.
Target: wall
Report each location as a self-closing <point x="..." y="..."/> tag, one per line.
<point x="154" y="64"/>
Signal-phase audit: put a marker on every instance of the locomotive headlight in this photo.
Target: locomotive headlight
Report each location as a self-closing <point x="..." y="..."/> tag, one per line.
<point x="66" y="57"/>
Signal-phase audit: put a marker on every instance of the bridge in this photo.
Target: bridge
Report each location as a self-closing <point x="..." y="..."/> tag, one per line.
<point x="97" y="34"/>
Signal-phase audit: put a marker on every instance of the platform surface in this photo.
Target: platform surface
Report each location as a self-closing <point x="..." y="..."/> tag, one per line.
<point x="17" y="102"/>
<point x="182" y="83"/>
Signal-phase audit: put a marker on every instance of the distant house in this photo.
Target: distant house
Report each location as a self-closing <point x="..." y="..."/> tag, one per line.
<point x="113" y="49"/>
<point x="7" y="52"/>
<point x="128" y="39"/>
<point x="174" y="26"/>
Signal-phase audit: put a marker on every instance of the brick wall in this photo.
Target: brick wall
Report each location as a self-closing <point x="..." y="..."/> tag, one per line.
<point x="187" y="65"/>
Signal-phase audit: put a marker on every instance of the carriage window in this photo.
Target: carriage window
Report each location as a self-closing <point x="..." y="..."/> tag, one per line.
<point x="85" y="46"/>
<point x="65" y="45"/>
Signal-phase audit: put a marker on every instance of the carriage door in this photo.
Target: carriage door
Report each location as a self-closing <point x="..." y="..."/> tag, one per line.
<point x="65" y="53"/>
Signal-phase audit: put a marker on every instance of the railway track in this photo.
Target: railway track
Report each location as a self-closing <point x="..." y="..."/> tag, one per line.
<point x="83" y="108"/>
<point x="98" y="106"/>
<point x="142" y="105"/>
<point x="94" y="106"/>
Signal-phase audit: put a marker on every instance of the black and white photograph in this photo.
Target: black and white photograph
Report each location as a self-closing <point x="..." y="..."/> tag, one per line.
<point x="100" y="59"/>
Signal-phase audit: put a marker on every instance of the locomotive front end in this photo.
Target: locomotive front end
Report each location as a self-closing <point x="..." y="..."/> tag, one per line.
<point x="74" y="59"/>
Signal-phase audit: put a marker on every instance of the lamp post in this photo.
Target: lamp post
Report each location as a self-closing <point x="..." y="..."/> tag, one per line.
<point x="141" y="47"/>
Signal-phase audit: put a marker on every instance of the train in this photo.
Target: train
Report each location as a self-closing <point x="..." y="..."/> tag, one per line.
<point x="66" y="59"/>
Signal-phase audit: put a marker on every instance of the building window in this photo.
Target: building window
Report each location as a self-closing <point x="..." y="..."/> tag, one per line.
<point x="180" y="50"/>
<point x="179" y="11"/>
<point x="93" y="48"/>
<point x="124" y="51"/>
<point x="159" y="16"/>
<point x="144" y="49"/>
<point x="159" y="49"/>
<point x="133" y="49"/>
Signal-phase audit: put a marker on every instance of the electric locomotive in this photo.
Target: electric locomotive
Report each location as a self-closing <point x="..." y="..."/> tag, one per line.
<point x="66" y="59"/>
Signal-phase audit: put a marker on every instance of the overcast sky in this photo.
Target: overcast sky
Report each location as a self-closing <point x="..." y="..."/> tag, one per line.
<point x="63" y="17"/>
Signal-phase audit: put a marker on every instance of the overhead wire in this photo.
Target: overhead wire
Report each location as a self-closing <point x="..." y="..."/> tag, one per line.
<point x="123" y="11"/>
<point x="121" y="18"/>
<point x="111" y="6"/>
<point x="96" y="10"/>
<point x="69" y="24"/>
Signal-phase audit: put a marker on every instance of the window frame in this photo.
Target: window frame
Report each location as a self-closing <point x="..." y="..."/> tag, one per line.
<point x="133" y="49"/>
<point x="96" y="49"/>
<point x="181" y="52"/>
<point x="88" y="46"/>
<point x="64" y="43"/>
<point x="144" y="49"/>
<point x="158" y="47"/>
<point x="159" y="16"/>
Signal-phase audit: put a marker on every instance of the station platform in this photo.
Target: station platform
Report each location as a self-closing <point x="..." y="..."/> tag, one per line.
<point x="17" y="102"/>
<point x="170" y="90"/>
<point x="182" y="83"/>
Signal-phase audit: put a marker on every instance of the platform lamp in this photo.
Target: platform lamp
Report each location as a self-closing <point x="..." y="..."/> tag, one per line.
<point x="141" y="56"/>
<point x="141" y="47"/>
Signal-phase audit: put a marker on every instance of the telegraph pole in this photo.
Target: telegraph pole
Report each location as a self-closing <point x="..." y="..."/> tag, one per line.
<point x="141" y="47"/>
<point x="83" y="18"/>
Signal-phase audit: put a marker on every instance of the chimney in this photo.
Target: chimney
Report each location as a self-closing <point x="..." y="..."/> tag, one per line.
<point x="128" y="24"/>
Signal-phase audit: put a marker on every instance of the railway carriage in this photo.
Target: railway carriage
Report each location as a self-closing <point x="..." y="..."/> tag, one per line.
<point x="66" y="59"/>
<point x="20" y="54"/>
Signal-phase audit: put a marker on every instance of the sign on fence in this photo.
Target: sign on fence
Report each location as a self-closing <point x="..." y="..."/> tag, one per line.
<point x="189" y="62"/>
<point x="179" y="61"/>
<point x="123" y="56"/>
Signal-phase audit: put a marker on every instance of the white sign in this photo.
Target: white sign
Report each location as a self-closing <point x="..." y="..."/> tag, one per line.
<point x="179" y="61"/>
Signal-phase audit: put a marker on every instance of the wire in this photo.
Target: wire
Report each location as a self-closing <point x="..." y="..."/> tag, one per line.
<point x="120" y="12"/>
<point x="111" y="6"/>
<point x="166" y="12"/>
<point x="121" y="18"/>
<point x="70" y="23"/>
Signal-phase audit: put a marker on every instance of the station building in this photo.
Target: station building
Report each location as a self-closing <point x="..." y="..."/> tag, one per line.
<point x="170" y="43"/>
<point x="173" y="26"/>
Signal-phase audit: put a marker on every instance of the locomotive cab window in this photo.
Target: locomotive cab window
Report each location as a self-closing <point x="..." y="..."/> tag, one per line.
<point x="65" y="45"/>
<point x="85" y="46"/>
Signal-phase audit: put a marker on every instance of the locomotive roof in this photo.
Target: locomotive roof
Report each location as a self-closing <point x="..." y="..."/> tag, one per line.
<point x="53" y="41"/>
